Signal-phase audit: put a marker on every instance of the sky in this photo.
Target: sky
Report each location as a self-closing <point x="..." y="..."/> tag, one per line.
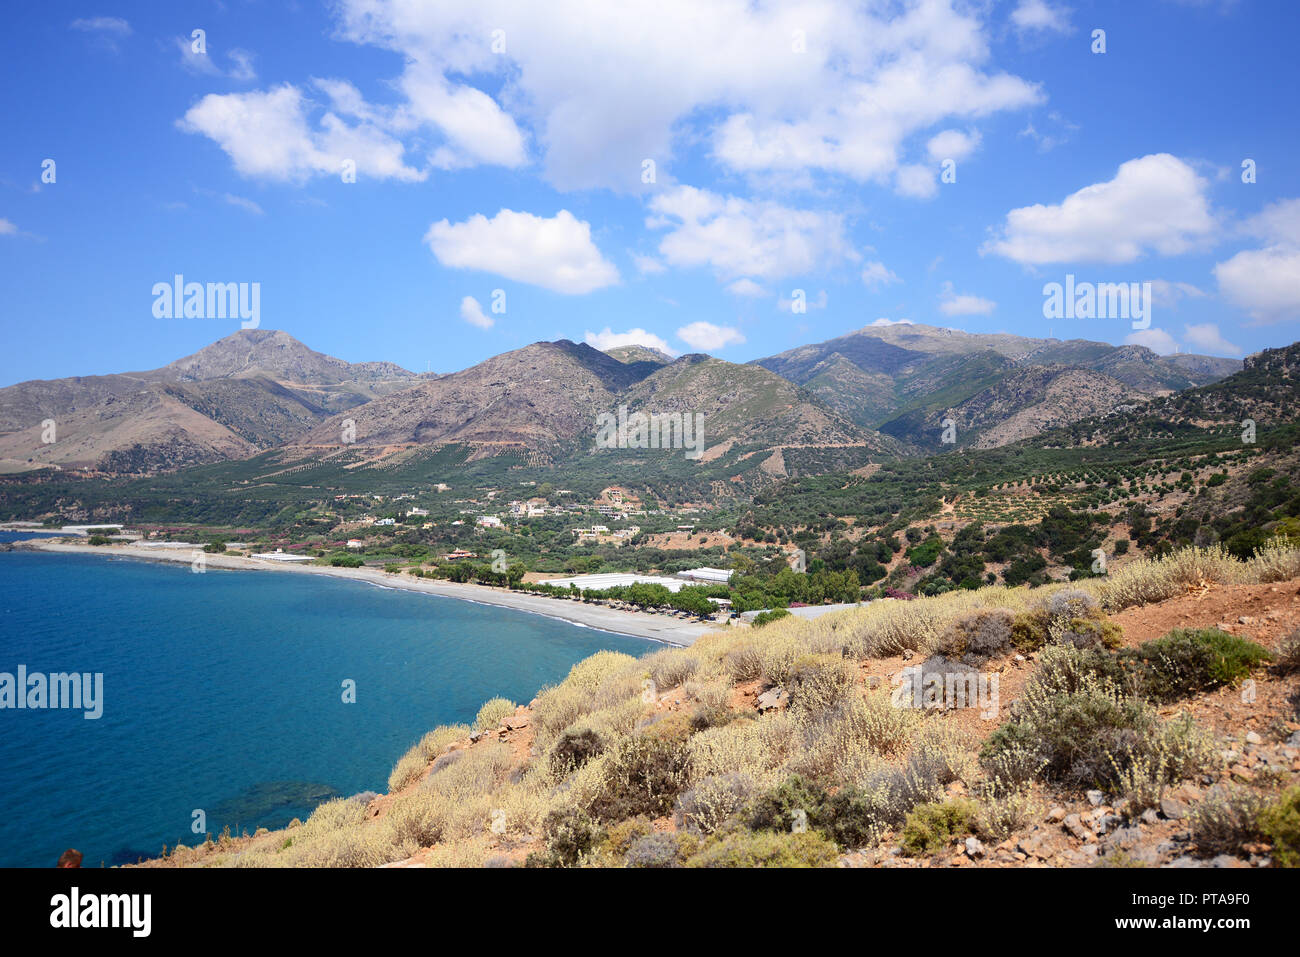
<point x="435" y="183"/>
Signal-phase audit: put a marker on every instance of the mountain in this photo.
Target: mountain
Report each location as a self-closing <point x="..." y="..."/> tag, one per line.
<point x="252" y="390"/>
<point x="547" y="397"/>
<point x="904" y="378"/>
<point x="540" y="396"/>
<point x="637" y="353"/>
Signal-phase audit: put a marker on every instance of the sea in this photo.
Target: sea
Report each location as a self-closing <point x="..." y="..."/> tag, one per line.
<point x="237" y="699"/>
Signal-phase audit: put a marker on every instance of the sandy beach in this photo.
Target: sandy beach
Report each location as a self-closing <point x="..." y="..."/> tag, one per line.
<point x="664" y="628"/>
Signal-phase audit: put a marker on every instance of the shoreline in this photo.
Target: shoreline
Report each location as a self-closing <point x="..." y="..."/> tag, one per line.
<point x="629" y="624"/>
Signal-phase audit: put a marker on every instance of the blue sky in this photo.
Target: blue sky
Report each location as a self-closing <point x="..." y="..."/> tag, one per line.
<point x="502" y="146"/>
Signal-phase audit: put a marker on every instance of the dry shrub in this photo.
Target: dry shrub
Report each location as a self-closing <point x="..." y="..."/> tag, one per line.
<point x="671" y="667"/>
<point x="412" y="764"/>
<point x="494" y="712"/>
<point x="710" y="802"/>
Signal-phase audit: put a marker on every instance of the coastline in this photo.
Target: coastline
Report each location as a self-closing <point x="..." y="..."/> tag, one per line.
<point x="633" y="624"/>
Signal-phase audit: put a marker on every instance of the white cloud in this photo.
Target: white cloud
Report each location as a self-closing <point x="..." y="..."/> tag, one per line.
<point x="1157" y="340"/>
<point x="114" y="26"/>
<point x="7" y="228"/>
<point x="952" y="303"/>
<point x="1156" y="203"/>
<point x="747" y="288"/>
<point x="877" y="274"/>
<point x="953" y="145"/>
<point x="1278" y="222"/>
<point x="1206" y="336"/>
<point x="104" y="32"/>
<point x="915" y="181"/>
<point x="203" y="64"/>
<point x="705" y="336"/>
<point x="889" y="322"/>
<point x="648" y="265"/>
<point x="607" y="339"/>
<point x="1050" y="140"/>
<point x="476" y="129"/>
<point x="1168" y="294"/>
<point x="1264" y="282"/>
<point x="1039" y="16"/>
<point x="740" y="237"/>
<point x="267" y="136"/>
<point x="555" y="253"/>
<point x="243" y="203"/>
<point x="472" y="312"/>
<point x="602" y="90"/>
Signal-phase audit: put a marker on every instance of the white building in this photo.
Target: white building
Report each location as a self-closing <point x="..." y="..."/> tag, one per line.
<point x="714" y="576"/>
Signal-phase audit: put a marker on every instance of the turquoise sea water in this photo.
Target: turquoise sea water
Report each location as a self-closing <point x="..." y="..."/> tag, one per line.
<point x="223" y="692"/>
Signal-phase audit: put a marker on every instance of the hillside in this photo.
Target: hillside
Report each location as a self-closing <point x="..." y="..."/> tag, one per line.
<point x="1105" y="725"/>
<point x="898" y="378"/>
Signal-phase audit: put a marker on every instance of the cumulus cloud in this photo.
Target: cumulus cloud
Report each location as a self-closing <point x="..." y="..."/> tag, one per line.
<point x="1157" y="340"/>
<point x="1266" y="282"/>
<point x="472" y="312"/>
<point x="267" y="136"/>
<point x="648" y="265"/>
<point x="1167" y="294"/>
<point x="915" y="181"/>
<point x="555" y="253"/>
<point x="7" y="228"/>
<point x="876" y="275"/>
<point x="890" y="322"/>
<point x="1039" y="16"/>
<point x="952" y="303"/>
<point x="1206" y="336"/>
<point x="844" y="94"/>
<point x="607" y="339"/>
<point x="953" y="145"/>
<point x="741" y="237"/>
<point x="1263" y="282"/>
<point x="705" y="336"/>
<point x="1156" y="203"/>
<point x="747" y="288"/>
<point x="1277" y="222"/>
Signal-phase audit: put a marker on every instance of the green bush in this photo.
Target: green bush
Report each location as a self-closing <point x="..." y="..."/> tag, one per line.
<point x="765" y="849"/>
<point x="1187" y="661"/>
<point x="932" y="827"/>
<point x="764" y="617"/>
<point x="1082" y="730"/>
<point x="1280" y="825"/>
<point x="570" y="837"/>
<point x="644" y="776"/>
<point x="575" y="747"/>
<point x="775" y="810"/>
<point x="1226" y="819"/>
